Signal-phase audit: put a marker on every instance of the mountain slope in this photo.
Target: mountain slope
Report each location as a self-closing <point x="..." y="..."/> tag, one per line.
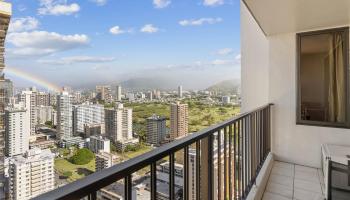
<point x="227" y="86"/>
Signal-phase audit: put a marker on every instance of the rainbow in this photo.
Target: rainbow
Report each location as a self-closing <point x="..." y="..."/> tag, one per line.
<point x="32" y="78"/>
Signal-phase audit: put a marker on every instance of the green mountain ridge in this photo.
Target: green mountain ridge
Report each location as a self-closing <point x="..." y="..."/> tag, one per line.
<point x="227" y="86"/>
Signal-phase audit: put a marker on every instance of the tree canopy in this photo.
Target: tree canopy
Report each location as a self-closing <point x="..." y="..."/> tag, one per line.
<point x="82" y="156"/>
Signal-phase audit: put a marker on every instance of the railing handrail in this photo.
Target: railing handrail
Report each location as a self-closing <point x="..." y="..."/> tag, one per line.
<point x="105" y="177"/>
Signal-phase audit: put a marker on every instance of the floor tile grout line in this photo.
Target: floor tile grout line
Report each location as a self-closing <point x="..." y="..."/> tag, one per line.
<point x="276" y="194"/>
<point x="293" y="181"/>
<point x="269" y="181"/>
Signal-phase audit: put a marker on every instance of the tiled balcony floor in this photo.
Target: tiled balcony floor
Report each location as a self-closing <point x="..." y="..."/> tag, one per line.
<point x="294" y="182"/>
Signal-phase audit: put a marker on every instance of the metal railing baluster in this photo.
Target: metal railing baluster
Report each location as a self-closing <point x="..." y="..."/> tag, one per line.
<point x="154" y="181"/>
<point x="128" y="187"/>
<point x="198" y="170"/>
<point x="186" y="174"/>
<point x="219" y="165"/>
<point x="172" y="176"/>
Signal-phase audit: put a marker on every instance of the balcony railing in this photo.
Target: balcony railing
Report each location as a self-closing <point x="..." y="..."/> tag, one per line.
<point x="228" y="159"/>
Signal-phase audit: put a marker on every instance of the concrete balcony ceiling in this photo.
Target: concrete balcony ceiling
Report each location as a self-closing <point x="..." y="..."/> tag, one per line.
<point x="285" y="16"/>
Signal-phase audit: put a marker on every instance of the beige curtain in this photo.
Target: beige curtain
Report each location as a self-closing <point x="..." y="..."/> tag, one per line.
<point x="336" y="92"/>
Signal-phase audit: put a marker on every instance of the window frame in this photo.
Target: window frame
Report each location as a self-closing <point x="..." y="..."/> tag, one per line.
<point x="299" y="121"/>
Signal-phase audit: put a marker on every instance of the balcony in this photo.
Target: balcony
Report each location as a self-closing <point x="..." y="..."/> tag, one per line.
<point x="290" y="181"/>
<point x="228" y="159"/>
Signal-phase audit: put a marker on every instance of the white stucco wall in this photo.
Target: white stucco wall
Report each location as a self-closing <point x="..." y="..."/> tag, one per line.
<point x="254" y="60"/>
<point x="292" y="143"/>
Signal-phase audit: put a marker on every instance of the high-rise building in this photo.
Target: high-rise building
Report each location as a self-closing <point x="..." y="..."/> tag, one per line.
<point x="87" y="114"/>
<point x="149" y="95"/>
<point x="119" y="93"/>
<point x="99" y="143"/>
<point x="77" y="97"/>
<point x="156" y="130"/>
<point x="31" y="174"/>
<point x="42" y="99"/>
<point x="54" y="118"/>
<point x="28" y="97"/>
<point x="142" y="95"/>
<point x="67" y="89"/>
<point x="45" y="113"/>
<point x="226" y="100"/>
<point x="17" y="130"/>
<point x="178" y="120"/>
<point x="53" y="99"/>
<point x="93" y="129"/>
<point x="156" y="94"/>
<point x="104" y="160"/>
<point x="6" y="12"/>
<point x="118" y="121"/>
<point x="92" y="95"/>
<point x="7" y="86"/>
<point x="179" y="91"/>
<point x="104" y="93"/>
<point x="64" y="115"/>
<point x="130" y="96"/>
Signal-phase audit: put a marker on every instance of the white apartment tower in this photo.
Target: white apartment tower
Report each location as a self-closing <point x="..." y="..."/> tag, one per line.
<point x="226" y="100"/>
<point x="118" y="121"/>
<point x="64" y="115"/>
<point x="179" y="92"/>
<point x="119" y="93"/>
<point x="77" y="97"/>
<point x="31" y="174"/>
<point x="156" y="130"/>
<point x="29" y="98"/>
<point x="43" y="99"/>
<point x="100" y="143"/>
<point x="87" y="114"/>
<point x="17" y="130"/>
<point x="178" y="120"/>
<point x="45" y="113"/>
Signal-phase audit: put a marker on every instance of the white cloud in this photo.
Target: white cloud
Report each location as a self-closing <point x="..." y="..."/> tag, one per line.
<point x="40" y="43"/>
<point x="201" y="21"/>
<point x="221" y="62"/>
<point x="23" y="24"/>
<point x="77" y="59"/>
<point x="224" y="51"/>
<point x="238" y="58"/>
<point x="100" y="2"/>
<point x="57" y="7"/>
<point x="116" y="30"/>
<point x="149" y="28"/>
<point x="213" y="2"/>
<point x="161" y="3"/>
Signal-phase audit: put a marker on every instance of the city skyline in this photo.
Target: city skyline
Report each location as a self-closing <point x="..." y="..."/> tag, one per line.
<point x="53" y="42"/>
<point x="46" y="131"/>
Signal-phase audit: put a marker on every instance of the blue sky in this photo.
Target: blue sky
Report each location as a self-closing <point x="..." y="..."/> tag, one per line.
<point x="86" y="42"/>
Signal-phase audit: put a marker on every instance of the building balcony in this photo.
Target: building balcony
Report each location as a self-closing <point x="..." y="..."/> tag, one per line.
<point x="220" y="162"/>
